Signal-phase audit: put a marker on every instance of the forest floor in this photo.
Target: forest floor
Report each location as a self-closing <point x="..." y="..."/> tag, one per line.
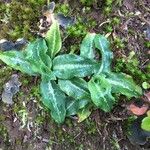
<point x="26" y="125"/>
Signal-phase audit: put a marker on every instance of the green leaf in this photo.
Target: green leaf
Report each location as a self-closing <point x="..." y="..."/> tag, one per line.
<point x="124" y="84"/>
<point x="54" y="99"/>
<point x="100" y="90"/>
<point x="53" y="39"/>
<point x="103" y="45"/>
<point x="69" y="65"/>
<point x="146" y="124"/>
<point x="76" y="88"/>
<point x="16" y="60"/>
<point x="73" y="106"/>
<point x="78" y="93"/>
<point x="83" y="114"/>
<point x="87" y="46"/>
<point x="102" y="86"/>
<point x="36" y="54"/>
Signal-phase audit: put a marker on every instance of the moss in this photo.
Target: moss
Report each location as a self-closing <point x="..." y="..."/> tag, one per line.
<point x="5" y="74"/>
<point x="88" y="2"/>
<point x="20" y="18"/>
<point x="90" y="127"/>
<point x="68" y="122"/>
<point x="147" y="44"/>
<point x="2" y="117"/>
<point x="130" y="65"/>
<point x="35" y="91"/>
<point x="118" y="43"/>
<point x="80" y="29"/>
<point x="17" y="107"/>
<point x="4" y="133"/>
<point x="63" y="8"/>
<point x="108" y="7"/>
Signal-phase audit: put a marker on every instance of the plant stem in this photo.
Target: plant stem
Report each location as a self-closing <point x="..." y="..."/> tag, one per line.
<point x="48" y="1"/>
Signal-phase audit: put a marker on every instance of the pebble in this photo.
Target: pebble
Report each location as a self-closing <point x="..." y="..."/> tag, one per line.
<point x="10" y="89"/>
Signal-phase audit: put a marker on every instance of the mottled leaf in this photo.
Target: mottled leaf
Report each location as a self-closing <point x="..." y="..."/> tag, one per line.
<point x="100" y="90"/>
<point x="54" y="99"/>
<point x="17" y="61"/>
<point x="69" y="65"/>
<point x="87" y="46"/>
<point x="76" y="88"/>
<point x="103" y="45"/>
<point x="53" y="39"/>
<point x="36" y="54"/>
<point x="73" y="105"/>
<point x="84" y="113"/>
<point x="123" y="84"/>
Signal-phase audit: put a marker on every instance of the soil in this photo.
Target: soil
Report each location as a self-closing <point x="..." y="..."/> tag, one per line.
<point x="101" y="131"/>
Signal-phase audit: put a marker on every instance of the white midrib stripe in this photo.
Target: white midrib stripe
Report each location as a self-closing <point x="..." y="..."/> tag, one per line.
<point x="54" y="100"/>
<point x="78" y="88"/>
<point x="69" y="66"/>
<point x="71" y="104"/>
<point x="117" y="83"/>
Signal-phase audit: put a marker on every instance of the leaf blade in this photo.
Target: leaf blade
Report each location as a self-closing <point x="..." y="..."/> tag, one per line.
<point x="53" y="39"/>
<point x="36" y="54"/>
<point x="16" y="60"/>
<point x="124" y="84"/>
<point x="84" y="113"/>
<point x="100" y="90"/>
<point x="87" y="46"/>
<point x="76" y="88"/>
<point x="103" y="45"/>
<point x="54" y="99"/>
<point x="68" y="66"/>
<point x="36" y="51"/>
<point x="145" y="125"/>
<point x="73" y="105"/>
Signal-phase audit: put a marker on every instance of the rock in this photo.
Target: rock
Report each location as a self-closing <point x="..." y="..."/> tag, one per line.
<point x="148" y="33"/>
<point x="20" y="43"/>
<point x="6" y="45"/>
<point x="136" y="134"/>
<point x="10" y="89"/>
<point x="64" y="21"/>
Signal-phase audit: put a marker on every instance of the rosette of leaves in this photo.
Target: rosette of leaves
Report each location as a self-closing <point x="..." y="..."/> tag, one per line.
<point x="72" y="84"/>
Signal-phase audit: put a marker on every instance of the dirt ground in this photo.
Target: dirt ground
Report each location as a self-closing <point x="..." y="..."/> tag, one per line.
<point x="26" y="125"/>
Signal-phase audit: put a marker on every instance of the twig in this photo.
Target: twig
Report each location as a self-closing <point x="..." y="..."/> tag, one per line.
<point x="146" y="8"/>
<point x="144" y="20"/>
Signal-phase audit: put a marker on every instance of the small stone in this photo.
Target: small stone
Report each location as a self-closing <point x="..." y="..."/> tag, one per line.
<point x="10" y="89"/>
<point x="148" y="33"/>
<point x="20" y="43"/>
<point x="64" y="21"/>
<point x="6" y="45"/>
